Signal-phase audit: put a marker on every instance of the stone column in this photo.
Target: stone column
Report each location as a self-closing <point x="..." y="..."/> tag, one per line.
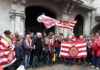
<point x="22" y="26"/>
<point x="12" y="24"/>
<point x="65" y="31"/>
<point x="19" y="23"/>
<point x="17" y="16"/>
<point x="66" y="16"/>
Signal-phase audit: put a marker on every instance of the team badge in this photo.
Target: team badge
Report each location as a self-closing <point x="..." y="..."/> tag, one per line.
<point x="73" y="51"/>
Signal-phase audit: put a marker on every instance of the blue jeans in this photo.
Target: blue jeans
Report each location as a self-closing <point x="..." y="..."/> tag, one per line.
<point x="94" y="60"/>
<point x="97" y="61"/>
<point x="27" y="60"/>
<point x="49" y="58"/>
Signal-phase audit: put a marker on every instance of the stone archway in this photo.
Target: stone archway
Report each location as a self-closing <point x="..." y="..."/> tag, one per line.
<point x="96" y="29"/>
<point x="78" y="30"/>
<point x="31" y="24"/>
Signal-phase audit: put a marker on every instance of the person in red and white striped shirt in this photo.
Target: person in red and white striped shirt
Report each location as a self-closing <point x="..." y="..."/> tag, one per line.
<point x="7" y="52"/>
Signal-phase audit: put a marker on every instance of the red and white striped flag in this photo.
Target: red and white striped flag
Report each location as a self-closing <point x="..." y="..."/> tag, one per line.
<point x="73" y="50"/>
<point x="67" y="24"/>
<point x="7" y="55"/>
<point x="47" y="21"/>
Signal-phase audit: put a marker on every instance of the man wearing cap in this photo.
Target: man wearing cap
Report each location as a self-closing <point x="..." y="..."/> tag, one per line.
<point x="7" y="37"/>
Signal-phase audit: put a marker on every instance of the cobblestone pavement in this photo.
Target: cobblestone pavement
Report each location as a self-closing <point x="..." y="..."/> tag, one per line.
<point x="64" y="67"/>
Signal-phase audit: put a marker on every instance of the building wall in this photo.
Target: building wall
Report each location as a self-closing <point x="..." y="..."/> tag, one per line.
<point x="95" y="13"/>
<point x="5" y="6"/>
<point x="86" y="16"/>
<point x="46" y="4"/>
<point x="17" y="17"/>
<point x="59" y="12"/>
<point x="56" y="8"/>
<point x="86" y="23"/>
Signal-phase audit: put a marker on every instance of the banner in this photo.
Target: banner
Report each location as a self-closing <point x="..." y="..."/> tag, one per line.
<point x="73" y="50"/>
<point x="7" y="55"/>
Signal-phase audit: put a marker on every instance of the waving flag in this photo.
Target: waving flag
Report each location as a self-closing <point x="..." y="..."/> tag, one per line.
<point x="72" y="21"/>
<point x="7" y="55"/>
<point x="73" y="50"/>
<point x="47" y="21"/>
<point x="67" y="24"/>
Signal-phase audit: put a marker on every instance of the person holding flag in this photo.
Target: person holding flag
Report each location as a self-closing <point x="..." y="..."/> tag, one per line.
<point x="7" y="51"/>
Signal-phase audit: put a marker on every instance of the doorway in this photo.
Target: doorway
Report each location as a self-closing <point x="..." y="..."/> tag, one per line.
<point x="96" y="29"/>
<point x="78" y="29"/>
<point x="31" y="23"/>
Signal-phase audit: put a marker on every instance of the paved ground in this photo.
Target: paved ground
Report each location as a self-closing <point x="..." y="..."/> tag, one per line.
<point x="64" y="67"/>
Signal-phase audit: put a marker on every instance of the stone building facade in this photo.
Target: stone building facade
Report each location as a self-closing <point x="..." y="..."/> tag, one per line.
<point x="20" y="15"/>
<point x="96" y="16"/>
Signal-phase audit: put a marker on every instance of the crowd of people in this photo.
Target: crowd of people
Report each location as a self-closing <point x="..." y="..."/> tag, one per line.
<point x="35" y="50"/>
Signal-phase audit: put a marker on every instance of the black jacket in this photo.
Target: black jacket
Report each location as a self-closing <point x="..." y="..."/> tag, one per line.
<point x="19" y="51"/>
<point x="38" y="47"/>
